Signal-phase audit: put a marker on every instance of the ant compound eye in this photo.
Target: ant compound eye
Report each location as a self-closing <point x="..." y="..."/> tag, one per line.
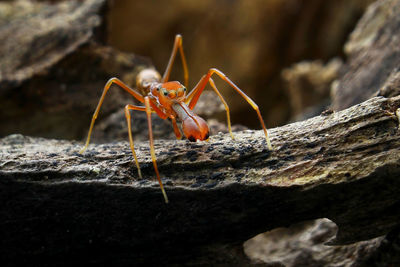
<point x="184" y="89"/>
<point x="165" y="92"/>
<point x="179" y="92"/>
<point x="158" y="88"/>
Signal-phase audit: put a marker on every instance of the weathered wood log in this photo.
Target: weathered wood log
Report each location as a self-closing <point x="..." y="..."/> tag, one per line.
<point x="373" y="57"/>
<point x="61" y="206"/>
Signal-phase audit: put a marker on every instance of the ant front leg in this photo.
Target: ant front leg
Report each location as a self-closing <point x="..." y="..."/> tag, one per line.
<point x="177" y="45"/>
<point x="153" y="154"/>
<point x="132" y="92"/>
<point x="177" y="132"/>
<point x="148" y="110"/>
<point x="194" y="95"/>
<point x="128" y="121"/>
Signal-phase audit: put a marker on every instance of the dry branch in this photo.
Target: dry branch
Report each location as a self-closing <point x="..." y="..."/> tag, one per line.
<point x="59" y="204"/>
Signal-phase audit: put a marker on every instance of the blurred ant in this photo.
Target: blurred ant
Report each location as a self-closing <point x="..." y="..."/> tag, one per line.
<point x="169" y="99"/>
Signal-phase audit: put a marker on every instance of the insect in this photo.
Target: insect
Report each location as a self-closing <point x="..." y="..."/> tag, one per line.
<point x="170" y="99"/>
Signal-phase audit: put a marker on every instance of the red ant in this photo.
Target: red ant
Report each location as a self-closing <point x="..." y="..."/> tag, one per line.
<point x="169" y="100"/>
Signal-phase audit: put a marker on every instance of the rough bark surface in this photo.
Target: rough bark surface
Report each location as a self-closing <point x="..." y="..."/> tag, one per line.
<point x="35" y="36"/>
<point x="59" y="205"/>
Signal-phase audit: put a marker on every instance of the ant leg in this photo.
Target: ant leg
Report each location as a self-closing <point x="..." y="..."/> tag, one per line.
<point x="128" y="120"/>
<point x="177" y="45"/>
<point x="228" y="117"/>
<point x="177" y="132"/>
<point x="132" y="92"/>
<point x="153" y="154"/>
<point x="194" y="95"/>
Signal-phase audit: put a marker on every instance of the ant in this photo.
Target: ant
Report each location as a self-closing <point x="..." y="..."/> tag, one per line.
<point x="169" y="99"/>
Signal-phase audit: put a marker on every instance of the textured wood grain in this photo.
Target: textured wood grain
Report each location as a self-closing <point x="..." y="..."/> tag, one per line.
<point x="343" y="166"/>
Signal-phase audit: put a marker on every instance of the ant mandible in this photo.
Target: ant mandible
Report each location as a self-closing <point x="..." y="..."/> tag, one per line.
<point x="168" y="99"/>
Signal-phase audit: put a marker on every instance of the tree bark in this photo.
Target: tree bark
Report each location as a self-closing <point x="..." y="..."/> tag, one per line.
<point x="61" y="205"/>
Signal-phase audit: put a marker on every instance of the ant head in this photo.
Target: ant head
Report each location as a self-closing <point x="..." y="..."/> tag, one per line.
<point x="169" y="92"/>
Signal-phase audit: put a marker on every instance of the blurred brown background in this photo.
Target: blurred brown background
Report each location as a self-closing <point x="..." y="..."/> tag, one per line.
<point x="250" y="41"/>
